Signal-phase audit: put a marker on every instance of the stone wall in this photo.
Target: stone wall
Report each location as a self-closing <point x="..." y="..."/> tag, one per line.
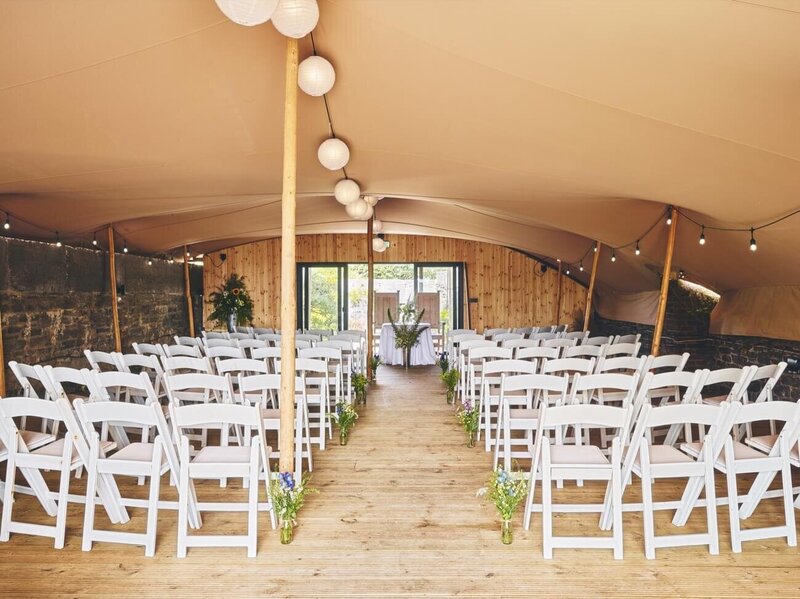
<point x="686" y="330"/>
<point x="56" y="302"/>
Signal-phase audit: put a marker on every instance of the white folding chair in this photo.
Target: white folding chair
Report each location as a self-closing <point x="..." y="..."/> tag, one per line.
<point x="561" y="344"/>
<point x="613" y="350"/>
<point x="667" y="362"/>
<point x="583" y="351"/>
<point x="490" y="380"/>
<point x="208" y="335"/>
<point x="218" y="461"/>
<point x="632" y="338"/>
<point x="248" y="345"/>
<point x="239" y="336"/>
<point x="560" y="461"/>
<point x="100" y="359"/>
<point x="316" y="385"/>
<point x="208" y="343"/>
<point x="463" y="363"/>
<point x="600" y="340"/>
<point x="500" y="337"/>
<point x="579" y="336"/>
<point x="537" y="354"/>
<point x="148" y="349"/>
<point x="198" y="388"/>
<point x="179" y="340"/>
<point x="333" y="356"/>
<point x="269" y="355"/>
<point x="176" y="351"/>
<point x="476" y="358"/>
<point x="490" y="333"/>
<point x="148" y="364"/>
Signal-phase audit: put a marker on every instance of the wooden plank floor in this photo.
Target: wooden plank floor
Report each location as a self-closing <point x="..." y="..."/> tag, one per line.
<point x="397" y="516"/>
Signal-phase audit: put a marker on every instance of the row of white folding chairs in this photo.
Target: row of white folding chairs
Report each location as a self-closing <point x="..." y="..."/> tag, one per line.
<point x="553" y="458"/>
<point x="81" y="445"/>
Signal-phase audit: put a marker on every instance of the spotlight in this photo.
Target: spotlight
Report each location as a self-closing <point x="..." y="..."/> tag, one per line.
<point x="753" y="246"/>
<point x="702" y="240"/>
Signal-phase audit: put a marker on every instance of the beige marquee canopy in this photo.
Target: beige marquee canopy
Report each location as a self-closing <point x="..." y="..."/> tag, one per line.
<point x="540" y="125"/>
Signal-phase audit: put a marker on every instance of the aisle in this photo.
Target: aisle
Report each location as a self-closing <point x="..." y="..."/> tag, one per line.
<point x="397" y="515"/>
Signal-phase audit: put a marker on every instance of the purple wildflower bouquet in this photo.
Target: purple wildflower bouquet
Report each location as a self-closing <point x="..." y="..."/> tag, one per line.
<point x="468" y="416"/>
<point x="288" y="495"/>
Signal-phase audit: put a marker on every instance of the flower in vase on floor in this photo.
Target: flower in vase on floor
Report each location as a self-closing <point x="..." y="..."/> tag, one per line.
<point x="374" y="362"/>
<point x="344" y="416"/>
<point x="506" y="490"/>
<point x="288" y="497"/>
<point x="450" y="379"/>
<point x="468" y="417"/>
<point x="359" y="383"/>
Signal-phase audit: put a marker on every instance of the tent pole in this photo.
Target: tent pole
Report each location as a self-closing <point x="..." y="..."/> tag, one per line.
<point x="370" y="299"/>
<point x="558" y="295"/>
<point x="288" y="261"/>
<point x="662" y="298"/>
<point x="112" y="266"/>
<point x="592" y="281"/>
<point x="2" y="361"/>
<point x="187" y="290"/>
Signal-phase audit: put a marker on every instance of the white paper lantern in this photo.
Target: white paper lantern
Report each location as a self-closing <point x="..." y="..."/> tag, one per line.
<point x="377" y="226"/>
<point x="357" y="209"/>
<point x="296" y="18"/>
<point x="372" y="200"/>
<point x="315" y="76"/>
<point x="346" y="191"/>
<point x="378" y="244"/>
<point x="368" y="214"/>
<point x="333" y="154"/>
<point x="248" y="12"/>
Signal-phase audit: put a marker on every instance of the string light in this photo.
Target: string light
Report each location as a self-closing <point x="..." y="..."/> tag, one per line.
<point x="94" y="239"/>
<point x="595" y="248"/>
<point x="581" y="266"/>
<point x="7" y="224"/>
<point x="171" y="260"/>
<point x="753" y="246"/>
<point x="124" y="247"/>
<point x="702" y="236"/>
<point x="568" y="271"/>
<point x="613" y="256"/>
<point x="669" y="219"/>
<point x="637" y="251"/>
<point x="149" y="262"/>
<point x="58" y="240"/>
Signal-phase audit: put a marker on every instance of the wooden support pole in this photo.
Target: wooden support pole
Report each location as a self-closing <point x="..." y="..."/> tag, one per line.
<point x="558" y="295"/>
<point x="2" y="361"/>
<point x="288" y="262"/>
<point x="187" y="289"/>
<point x="112" y="267"/>
<point x="370" y="298"/>
<point x="662" y="298"/>
<point x="592" y="280"/>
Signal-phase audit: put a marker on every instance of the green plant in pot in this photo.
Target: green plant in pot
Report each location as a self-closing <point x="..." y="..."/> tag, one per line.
<point x="408" y="331"/>
<point x="359" y="383"/>
<point x="344" y="417"/>
<point x="232" y="303"/>
<point x="450" y="379"/>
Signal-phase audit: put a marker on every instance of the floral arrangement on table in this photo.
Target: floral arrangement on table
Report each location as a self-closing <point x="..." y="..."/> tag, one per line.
<point x="506" y="490"/>
<point x="359" y="383"/>
<point x="408" y="331"/>
<point x="231" y="299"/>
<point x="374" y="362"/>
<point x="344" y="416"/>
<point x="468" y="416"/>
<point x="287" y="498"/>
<point x="450" y="379"/>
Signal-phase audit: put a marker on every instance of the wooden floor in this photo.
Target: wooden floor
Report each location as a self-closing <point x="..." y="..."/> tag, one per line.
<point x="397" y="516"/>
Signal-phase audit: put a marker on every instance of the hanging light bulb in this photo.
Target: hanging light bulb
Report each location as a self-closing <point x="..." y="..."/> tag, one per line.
<point x="753" y="246"/>
<point x="580" y="268"/>
<point x="637" y="251"/>
<point x="94" y="239"/>
<point x="149" y="262"/>
<point x="333" y="154"/>
<point x="248" y="12"/>
<point x="171" y="260"/>
<point x="702" y="240"/>
<point x="669" y="217"/>
<point x="124" y="247"/>
<point x="296" y="18"/>
<point x="315" y="76"/>
<point x="58" y="240"/>
<point x="613" y="256"/>
<point x="567" y="271"/>
<point x="7" y="224"/>
<point x="595" y="248"/>
<point x="377" y="225"/>
<point x="347" y="191"/>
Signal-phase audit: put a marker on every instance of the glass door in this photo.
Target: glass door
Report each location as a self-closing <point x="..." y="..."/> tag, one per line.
<point x="322" y="294"/>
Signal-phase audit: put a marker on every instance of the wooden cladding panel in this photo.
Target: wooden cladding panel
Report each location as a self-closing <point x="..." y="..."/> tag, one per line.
<point x="510" y="287"/>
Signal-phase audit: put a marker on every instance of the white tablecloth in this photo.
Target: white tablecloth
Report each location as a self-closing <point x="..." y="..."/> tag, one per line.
<point x="421" y="354"/>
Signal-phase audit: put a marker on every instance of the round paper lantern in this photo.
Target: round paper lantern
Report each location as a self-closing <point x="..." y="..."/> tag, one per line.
<point x="377" y="225"/>
<point x="357" y="209"/>
<point x="346" y="191"/>
<point x="371" y="200"/>
<point x="378" y="244"/>
<point x="248" y="12"/>
<point x="315" y="76"/>
<point x="369" y="213"/>
<point x="333" y="154"/>
<point x="296" y="18"/>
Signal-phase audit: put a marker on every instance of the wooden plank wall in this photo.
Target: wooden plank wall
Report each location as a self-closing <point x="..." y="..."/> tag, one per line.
<point x="510" y="287"/>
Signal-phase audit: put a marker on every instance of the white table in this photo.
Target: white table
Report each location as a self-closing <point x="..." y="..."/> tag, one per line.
<point x="421" y="354"/>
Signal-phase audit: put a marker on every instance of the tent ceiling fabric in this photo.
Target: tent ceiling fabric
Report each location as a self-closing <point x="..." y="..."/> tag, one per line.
<point x="537" y="125"/>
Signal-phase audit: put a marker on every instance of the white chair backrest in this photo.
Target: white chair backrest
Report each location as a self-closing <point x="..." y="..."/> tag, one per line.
<point x="188" y="341"/>
<point x="582" y="351"/>
<point x="308" y="337"/>
<point x="320" y="353"/>
<point x="262" y="331"/>
<point x="552" y="387"/>
<point x="633" y="338"/>
<point x="470" y="336"/>
<point x="560" y="343"/>
<point x="584" y="387"/>
<point x="234" y="366"/>
<point x="98" y="359"/>
<point x="224" y="352"/>
<point x="321" y="333"/>
<point x="302" y="344"/>
<point x="673" y="362"/>
<point x="623" y="364"/>
<point x="263" y="387"/>
<point x="248" y="345"/>
<point x="737" y="378"/>
<point x="490" y="333"/>
<point x="578" y="336"/>
<point x="263" y="353"/>
<point x="174" y="351"/>
<point x="182" y="364"/>
<point x="30" y="379"/>
<point x="149" y="363"/>
<point x="488" y="353"/>
<point x="239" y="336"/>
<point x="544" y="336"/>
<point x="570" y="366"/>
<point x="214" y="335"/>
<point x="219" y="385"/>
<point x="498" y="367"/>
<point x="621" y="349"/>
<point x="516" y="343"/>
<point x="597" y="341"/>
<point x="108" y="386"/>
<point x="148" y="349"/>
<point x="207" y="343"/>
<point x="469" y="344"/>
<point x="57" y="376"/>
<point x="500" y="337"/>
<point x="681" y="386"/>
<point x="770" y="375"/>
<point x="537" y="353"/>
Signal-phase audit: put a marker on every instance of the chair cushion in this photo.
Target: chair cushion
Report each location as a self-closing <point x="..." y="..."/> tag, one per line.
<point x="740" y="452"/>
<point x="574" y="455"/>
<point x="219" y="455"/>
<point x="765" y="443"/>
<point x="137" y="452"/>
<point x="666" y="454"/>
<point x="56" y="448"/>
<point x="523" y="413"/>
